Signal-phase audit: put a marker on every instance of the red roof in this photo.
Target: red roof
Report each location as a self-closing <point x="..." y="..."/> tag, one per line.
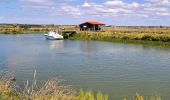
<point x="94" y="23"/>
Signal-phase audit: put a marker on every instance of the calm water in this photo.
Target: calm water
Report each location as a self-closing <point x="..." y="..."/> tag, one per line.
<point x="118" y="69"/>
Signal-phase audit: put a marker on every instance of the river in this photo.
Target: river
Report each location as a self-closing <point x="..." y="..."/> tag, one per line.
<point x="118" y="69"/>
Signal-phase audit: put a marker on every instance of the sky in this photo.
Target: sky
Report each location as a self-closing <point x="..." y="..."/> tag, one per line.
<point x="74" y="12"/>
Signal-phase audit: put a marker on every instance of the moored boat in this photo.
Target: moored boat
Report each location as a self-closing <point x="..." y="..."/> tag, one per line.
<point x="53" y="36"/>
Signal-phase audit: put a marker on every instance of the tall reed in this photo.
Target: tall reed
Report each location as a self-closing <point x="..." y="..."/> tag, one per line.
<point x="111" y="35"/>
<point x="52" y="90"/>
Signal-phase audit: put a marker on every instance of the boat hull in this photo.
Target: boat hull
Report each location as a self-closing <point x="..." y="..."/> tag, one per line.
<point x="53" y="37"/>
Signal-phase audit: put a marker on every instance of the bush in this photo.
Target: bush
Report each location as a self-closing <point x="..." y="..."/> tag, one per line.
<point x="50" y="90"/>
<point x="146" y="37"/>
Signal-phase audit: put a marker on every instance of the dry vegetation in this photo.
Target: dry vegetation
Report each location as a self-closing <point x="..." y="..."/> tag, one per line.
<point x="51" y="90"/>
<point x="147" y="35"/>
<point x="108" y="33"/>
<point x="25" y="28"/>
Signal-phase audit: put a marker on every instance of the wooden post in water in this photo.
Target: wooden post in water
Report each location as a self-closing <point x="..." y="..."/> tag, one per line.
<point x="94" y="28"/>
<point x="68" y="35"/>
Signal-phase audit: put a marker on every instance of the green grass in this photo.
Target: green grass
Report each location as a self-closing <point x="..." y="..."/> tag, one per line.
<point x="89" y="95"/>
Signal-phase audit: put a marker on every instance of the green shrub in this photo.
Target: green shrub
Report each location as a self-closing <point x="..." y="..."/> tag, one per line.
<point x="89" y="95"/>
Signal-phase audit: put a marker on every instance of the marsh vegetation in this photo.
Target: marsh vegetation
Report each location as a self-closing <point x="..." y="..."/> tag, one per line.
<point x="51" y="90"/>
<point x="147" y="35"/>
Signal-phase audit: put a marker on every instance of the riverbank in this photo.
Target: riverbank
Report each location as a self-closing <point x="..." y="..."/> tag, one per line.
<point x="21" y="31"/>
<point x="32" y="28"/>
<point x="122" y="36"/>
<point x="53" y="90"/>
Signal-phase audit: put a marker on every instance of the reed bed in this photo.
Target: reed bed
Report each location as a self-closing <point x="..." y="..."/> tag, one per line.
<point x="124" y="35"/>
<point x="52" y="90"/>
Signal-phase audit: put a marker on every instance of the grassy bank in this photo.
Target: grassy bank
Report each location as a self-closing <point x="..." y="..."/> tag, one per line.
<point x="21" y="31"/>
<point x="123" y="35"/>
<point x="51" y="90"/>
<point x="32" y="28"/>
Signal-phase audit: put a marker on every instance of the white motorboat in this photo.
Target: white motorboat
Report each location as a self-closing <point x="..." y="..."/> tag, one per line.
<point x="53" y="36"/>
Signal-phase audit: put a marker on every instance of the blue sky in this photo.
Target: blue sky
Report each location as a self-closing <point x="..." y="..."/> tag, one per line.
<point x="69" y="12"/>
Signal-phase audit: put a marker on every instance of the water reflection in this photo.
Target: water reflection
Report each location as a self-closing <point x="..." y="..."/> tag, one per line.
<point x="55" y="44"/>
<point x="115" y="68"/>
<point x="88" y="47"/>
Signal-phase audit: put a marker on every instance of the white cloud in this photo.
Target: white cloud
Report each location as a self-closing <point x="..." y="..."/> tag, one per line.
<point x="160" y="9"/>
<point x="134" y="5"/>
<point x="157" y="8"/>
<point x="114" y="3"/>
<point x="86" y="4"/>
<point x="163" y="13"/>
<point x="109" y="8"/>
<point x="1" y="17"/>
<point x="71" y="10"/>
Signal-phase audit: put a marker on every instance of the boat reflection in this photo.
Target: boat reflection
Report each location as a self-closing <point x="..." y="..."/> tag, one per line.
<point x="56" y="44"/>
